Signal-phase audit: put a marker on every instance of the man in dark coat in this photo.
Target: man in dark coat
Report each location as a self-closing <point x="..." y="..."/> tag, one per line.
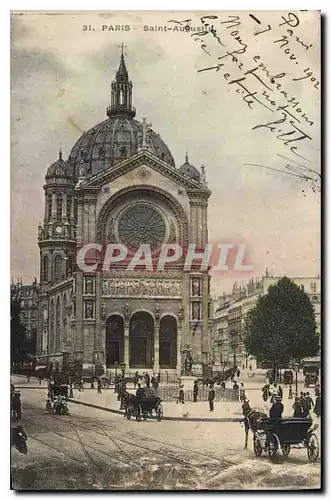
<point x="195" y="391"/>
<point x="181" y="395"/>
<point x="140" y="392"/>
<point x="265" y="393"/>
<point x="277" y="408"/>
<point x="211" y="397"/>
<point x="99" y="385"/>
<point x="317" y="409"/>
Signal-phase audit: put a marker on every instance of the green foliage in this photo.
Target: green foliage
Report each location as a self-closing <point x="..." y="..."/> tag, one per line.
<point x="21" y="348"/>
<point x="281" y="327"/>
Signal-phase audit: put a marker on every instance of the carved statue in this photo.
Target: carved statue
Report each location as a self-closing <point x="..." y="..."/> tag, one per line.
<point x="89" y="285"/>
<point x="188" y="362"/>
<point x="103" y="311"/>
<point x="196" y="311"/>
<point x="196" y="287"/>
<point x="89" y="310"/>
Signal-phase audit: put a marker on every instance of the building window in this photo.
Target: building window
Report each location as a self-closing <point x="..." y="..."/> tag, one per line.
<point x="59" y="206"/>
<point x="69" y="201"/>
<point x="58" y="267"/>
<point x="49" y="206"/>
<point x="313" y="287"/>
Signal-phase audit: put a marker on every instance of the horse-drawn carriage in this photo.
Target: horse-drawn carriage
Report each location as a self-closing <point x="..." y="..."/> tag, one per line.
<point x="311" y="379"/>
<point x="279" y="435"/>
<point x="143" y="407"/>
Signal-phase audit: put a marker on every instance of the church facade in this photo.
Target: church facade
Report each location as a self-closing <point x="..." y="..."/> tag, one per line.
<point x="120" y="186"/>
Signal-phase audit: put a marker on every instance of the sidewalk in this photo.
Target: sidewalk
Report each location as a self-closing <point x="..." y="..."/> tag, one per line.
<point x="224" y="412"/>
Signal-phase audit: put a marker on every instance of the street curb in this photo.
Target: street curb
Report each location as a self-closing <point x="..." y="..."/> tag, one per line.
<point x="175" y="419"/>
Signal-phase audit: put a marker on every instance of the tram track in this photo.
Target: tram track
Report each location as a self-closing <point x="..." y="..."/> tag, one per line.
<point x="111" y="437"/>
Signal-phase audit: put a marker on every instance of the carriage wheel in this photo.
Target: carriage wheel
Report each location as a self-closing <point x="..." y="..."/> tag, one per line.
<point x="138" y="413"/>
<point x="273" y="449"/>
<point x="313" y="448"/>
<point x="257" y="446"/>
<point x="286" y="448"/>
<point x="159" y="413"/>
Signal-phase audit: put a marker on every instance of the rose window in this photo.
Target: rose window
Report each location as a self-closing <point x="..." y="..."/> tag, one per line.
<point x="140" y="224"/>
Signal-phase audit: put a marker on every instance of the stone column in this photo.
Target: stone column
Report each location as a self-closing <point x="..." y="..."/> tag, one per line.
<point x="156" y="366"/>
<point x="179" y="341"/>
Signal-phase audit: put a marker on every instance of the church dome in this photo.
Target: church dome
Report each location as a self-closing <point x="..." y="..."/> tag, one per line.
<point x="119" y="136"/>
<point x="59" y="168"/>
<point x="112" y="141"/>
<point x="190" y="170"/>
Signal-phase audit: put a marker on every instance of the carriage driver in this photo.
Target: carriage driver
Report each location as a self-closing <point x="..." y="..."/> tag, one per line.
<point x="277" y="408"/>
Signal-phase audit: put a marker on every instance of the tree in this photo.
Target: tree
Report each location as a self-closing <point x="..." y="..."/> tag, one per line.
<point x="19" y="341"/>
<point x="282" y="327"/>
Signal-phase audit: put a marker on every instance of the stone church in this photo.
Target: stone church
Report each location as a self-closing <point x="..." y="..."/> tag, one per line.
<point x="120" y="184"/>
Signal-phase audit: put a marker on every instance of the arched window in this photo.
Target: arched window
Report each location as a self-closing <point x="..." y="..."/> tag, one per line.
<point x="58" y="268"/>
<point x="45" y="269"/>
<point x="59" y="206"/>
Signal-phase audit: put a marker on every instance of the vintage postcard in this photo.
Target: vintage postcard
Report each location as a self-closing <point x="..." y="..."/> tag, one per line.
<point x="165" y="250"/>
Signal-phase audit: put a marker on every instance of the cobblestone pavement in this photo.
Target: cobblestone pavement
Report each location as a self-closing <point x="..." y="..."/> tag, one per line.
<point x="94" y="449"/>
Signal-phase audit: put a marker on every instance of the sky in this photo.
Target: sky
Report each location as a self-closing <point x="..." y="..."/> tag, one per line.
<point x="60" y="80"/>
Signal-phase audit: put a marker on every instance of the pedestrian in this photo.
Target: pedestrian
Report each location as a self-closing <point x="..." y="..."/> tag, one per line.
<point x="305" y="406"/>
<point x="39" y="380"/>
<point x="71" y="392"/>
<point x="223" y="384"/>
<point x="265" y="392"/>
<point x="290" y="393"/>
<point x="317" y="408"/>
<point x="242" y="396"/>
<point x="99" y="385"/>
<point x="297" y="407"/>
<point x="273" y="392"/>
<point x="235" y="386"/>
<point x="92" y="383"/>
<point x="195" y="391"/>
<point x="280" y="391"/>
<point x="135" y="380"/>
<point x="158" y="377"/>
<point x="211" y="397"/>
<point x="147" y="380"/>
<point x="309" y="401"/>
<point x="250" y="368"/>
<point x="238" y="373"/>
<point x="181" y="395"/>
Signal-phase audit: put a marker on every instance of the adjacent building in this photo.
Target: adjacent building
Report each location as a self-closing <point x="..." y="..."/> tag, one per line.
<point x="27" y="295"/>
<point x="231" y="310"/>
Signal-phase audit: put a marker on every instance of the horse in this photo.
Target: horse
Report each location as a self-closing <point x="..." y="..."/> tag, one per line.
<point x="251" y="420"/>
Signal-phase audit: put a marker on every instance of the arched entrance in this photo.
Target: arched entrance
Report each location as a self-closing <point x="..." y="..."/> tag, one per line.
<point x="114" y="340"/>
<point x="141" y="340"/>
<point x="168" y="342"/>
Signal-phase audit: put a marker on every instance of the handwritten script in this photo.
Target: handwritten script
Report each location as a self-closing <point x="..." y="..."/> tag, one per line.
<point x="271" y="62"/>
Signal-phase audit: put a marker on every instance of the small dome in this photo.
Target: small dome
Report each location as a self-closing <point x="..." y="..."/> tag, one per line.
<point x="60" y="168"/>
<point x="190" y="170"/>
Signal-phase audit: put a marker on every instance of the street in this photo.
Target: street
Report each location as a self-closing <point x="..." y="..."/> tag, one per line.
<point x="93" y="449"/>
